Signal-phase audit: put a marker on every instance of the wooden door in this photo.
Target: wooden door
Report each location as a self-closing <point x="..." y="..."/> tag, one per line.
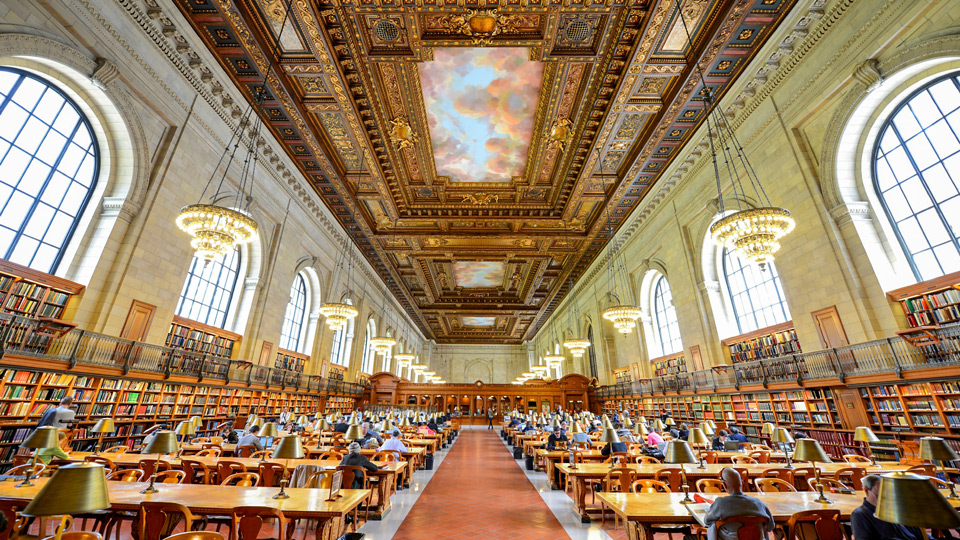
<point x="850" y="407"/>
<point x="265" y="349"/>
<point x="830" y="328"/>
<point x="139" y="318"/>
<point x="696" y="359"/>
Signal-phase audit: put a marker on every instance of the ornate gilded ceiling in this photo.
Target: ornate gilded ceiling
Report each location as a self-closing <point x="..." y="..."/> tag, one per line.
<point x="501" y="143"/>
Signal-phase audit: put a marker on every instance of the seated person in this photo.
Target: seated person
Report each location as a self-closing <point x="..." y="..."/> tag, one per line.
<point x="719" y="440"/>
<point x="736" y="435"/>
<point x="624" y="433"/>
<point x="530" y="428"/>
<point x="433" y="425"/>
<point x="62" y="451"/>
<point x="393" y="442"/>
<point x="354" y="457"/>
<point x="514" y="422"/>
<point x="558" y="436"/>
<point x="734" y="504"/>
<point x="228" y="435"/>
<point x="580" y="438"/>
<point x="866" y="526"/>
<point x="371" y="439"/>
<point x="425" y="430"/>
<point x="683" y="432"/>
<point x="341" y="426"/>
<point x="251" y="438"/>
<point x="654" y="438"/>
<point x="612" y="447"/>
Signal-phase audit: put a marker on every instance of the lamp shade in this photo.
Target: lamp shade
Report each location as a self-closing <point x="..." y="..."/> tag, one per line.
<point x="605" y="422"/>
<point x="388" y="425"/>
<point x="257" y="422"/>
<point x="302" y="420"/>
<point x="43" y="437"/>
<point x="768" y="428"/>
<point x="810" y="450"/>
<point x="405" y="422"/>
<point x="185" y="428"/>
<point x="697" y="436"/>
<point x="679" y="452"/>
<point x="781" y="435"/>
<point x="865" y="434"/>
<point x="912" y="500"/>
<point x="353" y="418"/>
<point x="670" y="421"/>
<point x="627" y="423"/>
<point x="658" y="425"/>
<point x="323" y="425"/>
<point x="577" y="428"/>
<point x="165" y="442"/>
<point x="268" y="430"/>
<point x="76" y="488"/>
<point x="196" y="421"/>
<point x="642" y="429"/>
<point x="609" y="436"/>
<point x="353" y="433"/>
<point x="289" y="447"/>
<point x="707" y="428"/>
<point x="103" y="425"/>
<point x="936" y="449"/>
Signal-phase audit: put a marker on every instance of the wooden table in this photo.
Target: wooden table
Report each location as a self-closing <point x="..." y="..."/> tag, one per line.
<point x="386" y="477"/>
<point x="550" y="458"/>
<point x="221" y="500"/>
<point x="641" y="511"/>
<point x="584" y="473"/>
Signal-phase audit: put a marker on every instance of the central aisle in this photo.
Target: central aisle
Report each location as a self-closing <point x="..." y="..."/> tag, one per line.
<point x="479" y="491"/>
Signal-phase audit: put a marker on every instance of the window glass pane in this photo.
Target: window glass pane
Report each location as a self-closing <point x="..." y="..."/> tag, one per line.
<point x="925" y="110"/>
<point x="946" y="96"/>
<point x="756" y="295"/>
<point x="208" y="290"/>
<point x="906" y="123"/>
<point x="49" y="106"/>
<point x="293" y="318"/>
<point x="667" y="326"/>
<point x="12" y="119"/>
<point x="943" y="138"/>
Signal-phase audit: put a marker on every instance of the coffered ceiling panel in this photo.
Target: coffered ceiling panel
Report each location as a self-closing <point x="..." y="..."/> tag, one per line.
<point x="481" y="155"/>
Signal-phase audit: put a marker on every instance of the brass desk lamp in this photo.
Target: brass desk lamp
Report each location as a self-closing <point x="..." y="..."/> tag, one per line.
<point x="698" y="437"/>
<point x="164" y="442"/>
<point x="77" y="488"/>
<point x="42" y="437"/>
<point x="679" y="452"/>
<point x="782" y="436"/>
<point x="103" y="425"/>
<point x="936" y="449"/>
<point x="289" y="447"/>
<point x="866" y="436"/>
<point x="810" y="450"/>
<point x="610" y="436"/>
<point x="911" y="500"/>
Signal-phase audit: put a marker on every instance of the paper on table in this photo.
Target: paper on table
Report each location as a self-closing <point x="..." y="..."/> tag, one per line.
<point x="699" y="512"/>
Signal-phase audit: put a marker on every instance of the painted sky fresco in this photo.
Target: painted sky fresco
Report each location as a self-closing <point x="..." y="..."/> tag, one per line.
<point x="480" y="104"/>
<point x="475" y="274"/>
<point x="478" y="321"/>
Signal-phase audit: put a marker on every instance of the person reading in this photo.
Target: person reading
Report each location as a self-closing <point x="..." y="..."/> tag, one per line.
<point x="867" y="526"/>
<point x="393" y="442"/>
<point x="59" y="416"/>
<point x="354" y="457"/>
<point x="251" y="438"/>
<point x="735" y="504"/>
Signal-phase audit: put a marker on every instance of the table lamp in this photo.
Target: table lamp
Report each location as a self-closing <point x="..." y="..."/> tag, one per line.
<point x="605" y="422"/>
<point x="405" y="422"/>
<point x="610" y="436"/>
<point x="670" y="421"/>
<point x="354" y="433"/>
<point x="184" y="430"/>
<point x="302" y="420"/>
<point x="936" y="449"/>
<point x="197" y="422"/>
<point x="577" y="428"/>
<point x="912" y="500"/>
<point x="707" y="429"/>
<point x="103" y="425"/>
<point x="388" y="425"/>
<point x="323" y="425"/>
<point x="42" y="437"/>
<point x="658" y="425"/>
<point x="697" y="436"/>
<point x="642" y="430"/>
<point x="627" y="423"/>
<point x="164" y="442"/>
<point x="77" y="488"/>
<point x="782" y="436"/>
<point x="768" y="428"/>
<point x="810" y="450"/>
<point x="679" y="452"/>
<point x="317" y="415"/>
<point x="257" y="422"/>
<point x="289" y="447"/>
<point x="866" y="436"/>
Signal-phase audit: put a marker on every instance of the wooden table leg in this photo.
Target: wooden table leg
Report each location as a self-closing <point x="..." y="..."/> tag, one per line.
<point x="637" y="531"/>
<point x="580" y="495"/>
<point x="330" y="528"/>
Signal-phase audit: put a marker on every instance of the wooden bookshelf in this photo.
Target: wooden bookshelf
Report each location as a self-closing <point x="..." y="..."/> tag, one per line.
<point x="203" y="338"/>
<point x="768" y="342"/>
<point x="335" y="372"/>
<point x="622" y="375"/>
<point x="290" y="360"/>
<point x="933" y="302"/>
<point x="669" y="365"/>
<point x="340" y="405"/>
<point x="30" y="293"/>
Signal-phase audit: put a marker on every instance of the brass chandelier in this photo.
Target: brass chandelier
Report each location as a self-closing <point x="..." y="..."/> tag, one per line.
<point x="622" y="314"/>
<point x="337" y="314"/>
<point x="576" y="345"/>
<point x="382" y="344"/>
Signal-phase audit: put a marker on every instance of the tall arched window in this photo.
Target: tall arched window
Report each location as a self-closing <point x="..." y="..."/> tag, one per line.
<point x="591" y="354"/>
<point x="48" y="168"/>
<point x="291" y="335"/>
<point x="369" y="354"/>
<point x="208" y="291"/>
<point x="342" y="338"/>
<point x="665" y="318"/>
<point x="917" y="176"/>
<point x="756" y="295"/>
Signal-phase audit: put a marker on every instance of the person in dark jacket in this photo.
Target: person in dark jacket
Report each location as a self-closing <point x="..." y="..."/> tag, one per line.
<point x="613" y="447"/>
<point x="867" y="526"/>
<point x="557" y="436"/>
<point x="341" y="427"/>
<point x="736" y="435"/>
<point x="683" y="432"/>
<point x="354" y="457"/>
<point x="718" y="441"/>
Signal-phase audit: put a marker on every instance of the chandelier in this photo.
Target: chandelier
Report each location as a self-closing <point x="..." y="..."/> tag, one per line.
<point x="624" y="318"/>
<point x="217" y="230"/>
<point x="577" y="345"/>
<point x="553" y="360"/>
<point x="338" y="314"/>
<point x="382" y="344"/>
<point x="404" y="359"/>
<point x="754" y="234"/>
<point x="623" y="315"/>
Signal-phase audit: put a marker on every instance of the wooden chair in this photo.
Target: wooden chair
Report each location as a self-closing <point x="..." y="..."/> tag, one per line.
<point x="320" y="480"/>
<point x="196" y="535"/>
<point x="152" y="466"/>
<point x="244" y="479"/>
<point x="349" y="474"/>
<point x="762" y="456"/>
<point x="800" y="477"/>
<point x="331" y="455"/>
<point x="213" y="445"/>
<point x="125" y="475"/>
<point x="617" y="479"/>
<point x="710" y="456"/>
<point x="107" y="464"/>
<point x="856" y="458"/>
<point x="170" y="477"/>
<point x="384" y="456"/>
<point x="784" y="474"/>
<point x="119" y="449"/>
<point x="25" y="469"/>
<point x="711" y="485"/>
<point x="744" y="476"/>
<point x="196" y="472"/>
<point x="617" y="457"/>
<point x="751" y="527"/>
<point x="209" y="452"/>
<point x="743" y="460"/>
<point x="248" y="521"/>
<point x="77" y="535"/>
<point x="672" y="477"/>
<point x="851" y="476"/>
<point x="226" y="467"/>
<point x="245" y="451"/>
<point x="262" y="454"/>
<point x="271" y="474"/>
<point x="763" y="447"/>
<point x="923" y="470"/>
<point x="158" y="519"/>
<point x="827" y="483"/>
<point x="581" y="446"/>
<point x="940" y="484"/>
<point x="649" y="486"/>
<point x="819" y="524"/>
<point x="773" y="485"/>
<point x="647" y="460"/>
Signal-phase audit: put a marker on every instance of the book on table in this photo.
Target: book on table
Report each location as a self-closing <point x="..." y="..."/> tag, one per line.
<point x="699" y="512"/>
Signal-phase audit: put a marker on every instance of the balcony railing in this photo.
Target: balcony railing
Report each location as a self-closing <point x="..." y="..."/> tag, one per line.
<point x="889" y="355"/>
<point x="27" y="337"/>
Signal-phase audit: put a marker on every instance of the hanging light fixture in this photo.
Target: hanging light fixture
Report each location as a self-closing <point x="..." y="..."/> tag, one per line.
<point x="576" y="345"/>
<point x="752" y="233"/>
<point x="553" y="360"/>
<point x="382" y="344"/>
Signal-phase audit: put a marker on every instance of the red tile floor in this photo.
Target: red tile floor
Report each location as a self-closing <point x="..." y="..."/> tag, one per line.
<point x="479" y="491"/>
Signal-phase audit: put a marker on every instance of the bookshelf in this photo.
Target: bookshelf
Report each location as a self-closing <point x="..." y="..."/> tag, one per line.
<point x="764" y="343"/>
<point x="669" y="365"/>
<point x="335" y="372"/>
<point x="622" y="375"/>
<point x="290" y="360"/>
<point x="340" y="405"/>
<point x="30" y="293"/>
<point x="931" y="303"/>
<point x="196" y="336"/>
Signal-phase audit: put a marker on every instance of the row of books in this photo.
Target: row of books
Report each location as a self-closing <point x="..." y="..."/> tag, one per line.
<point x="926" y="420"/>
<point x="946" y="387"/>
<point x="935" y="317"/>
<point x="769" y="346"/>
<point x="930" y="301"/>
<point x="16" y="391"/>
<point x="670" y="367"/>
<point x="14" y="435"/>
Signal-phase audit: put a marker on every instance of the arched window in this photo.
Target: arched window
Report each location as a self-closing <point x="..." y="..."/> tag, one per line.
<point x="917" y="176"/>
<point x="369" y="354"/>
<point x="294" y="316"/>
<point x="756" y="295"/>
<point x="591" y="354"/>
<point x="208" y="291"/>
<point x="665" y="318"/>
<point x="342" y="338"/>
<point x="48" y="169"/>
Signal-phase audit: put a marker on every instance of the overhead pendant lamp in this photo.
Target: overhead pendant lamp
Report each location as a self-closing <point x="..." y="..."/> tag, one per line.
<point x="621" y="311"/>
<point x="576" y="344"/>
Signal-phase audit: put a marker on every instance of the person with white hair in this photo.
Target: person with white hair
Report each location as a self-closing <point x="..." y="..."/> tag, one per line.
<point x="354" y="457"/>
<point x="393" y="442"/>
<point x="735" y="504"/>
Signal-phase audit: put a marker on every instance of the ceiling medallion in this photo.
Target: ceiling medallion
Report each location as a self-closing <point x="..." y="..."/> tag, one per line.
<point x="480" y="25"/>
<point x="401" y="133"/>
<point x="480" y="199"/>
<point x="560" y="134"/>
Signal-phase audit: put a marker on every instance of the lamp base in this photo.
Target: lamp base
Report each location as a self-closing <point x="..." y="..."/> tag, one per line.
<point x="686" y="500"/>
<point x="150" y="489"/>
<point x="281" y="495"/>
<point x="26" y="482"/>
<point x="822" y="499"/>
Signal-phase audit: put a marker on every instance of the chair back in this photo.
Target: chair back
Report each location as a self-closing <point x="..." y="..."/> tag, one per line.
<point x="209" y="452"/>
<point x="331" y="455"/>
<point x="246" y="450"/>
<point x="384" y="456"/>
<point x="672" y="477"/>
<point x="940" y="484"/>
<point x="784" y="474"/>
<point x="107" y="464"/>
<point x="77" y="535"/>
<point x="25" y="469"/>
<point x="818" y="524"/>
<point x="226" y="467"/>
<point x="158" y="519"/>
<point x="851" y="476"/>
<point x="800" y="477"/>
<point x="711" y="485"/>
<point x="649" y="486"/>
<point x="619" y="479"/>
<point x="710" y="456"/>
<point x="773" y="485"/>
<point x="923" y="470"/>
<point x="350" y="473"/>
<point x="243" y="479"/>
<point x="125" y="475"/>
<point x="856" y="458"/>
<point x="743" y="460"/>
<point x="647" y="460"/>
<point x="751" y="527"/>
<point x="762" y="456"/>
<point x="320" y="480"/>
<point x="195" y="472"/>
<point x="15" y="522"/>
<point x="248" y="521"/>
<point x="262" y="454"/>
<point x="200" y="440"/>
<point x="271" y="474"/>
<point x="581" y="446"/>
<point x="196" y="535"/>
<point x="760" y="447"/>
<point x="119" y="449"/>
<point x="744" y="476"/>
<point x="170" y="477"/>
<point x="148" y="466"/>
<point x="827" y="483"/>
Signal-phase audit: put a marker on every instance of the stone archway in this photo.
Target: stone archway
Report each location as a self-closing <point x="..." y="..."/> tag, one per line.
<point x="478" y="370"/>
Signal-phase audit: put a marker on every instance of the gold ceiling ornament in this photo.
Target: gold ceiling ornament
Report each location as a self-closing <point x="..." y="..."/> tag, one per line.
<point x="560" y="134"/>
<point x="382" y="344"/>
<point x="401" y="133"/>
<point x="480" y="198"/>
<point x="480" y="25"/>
